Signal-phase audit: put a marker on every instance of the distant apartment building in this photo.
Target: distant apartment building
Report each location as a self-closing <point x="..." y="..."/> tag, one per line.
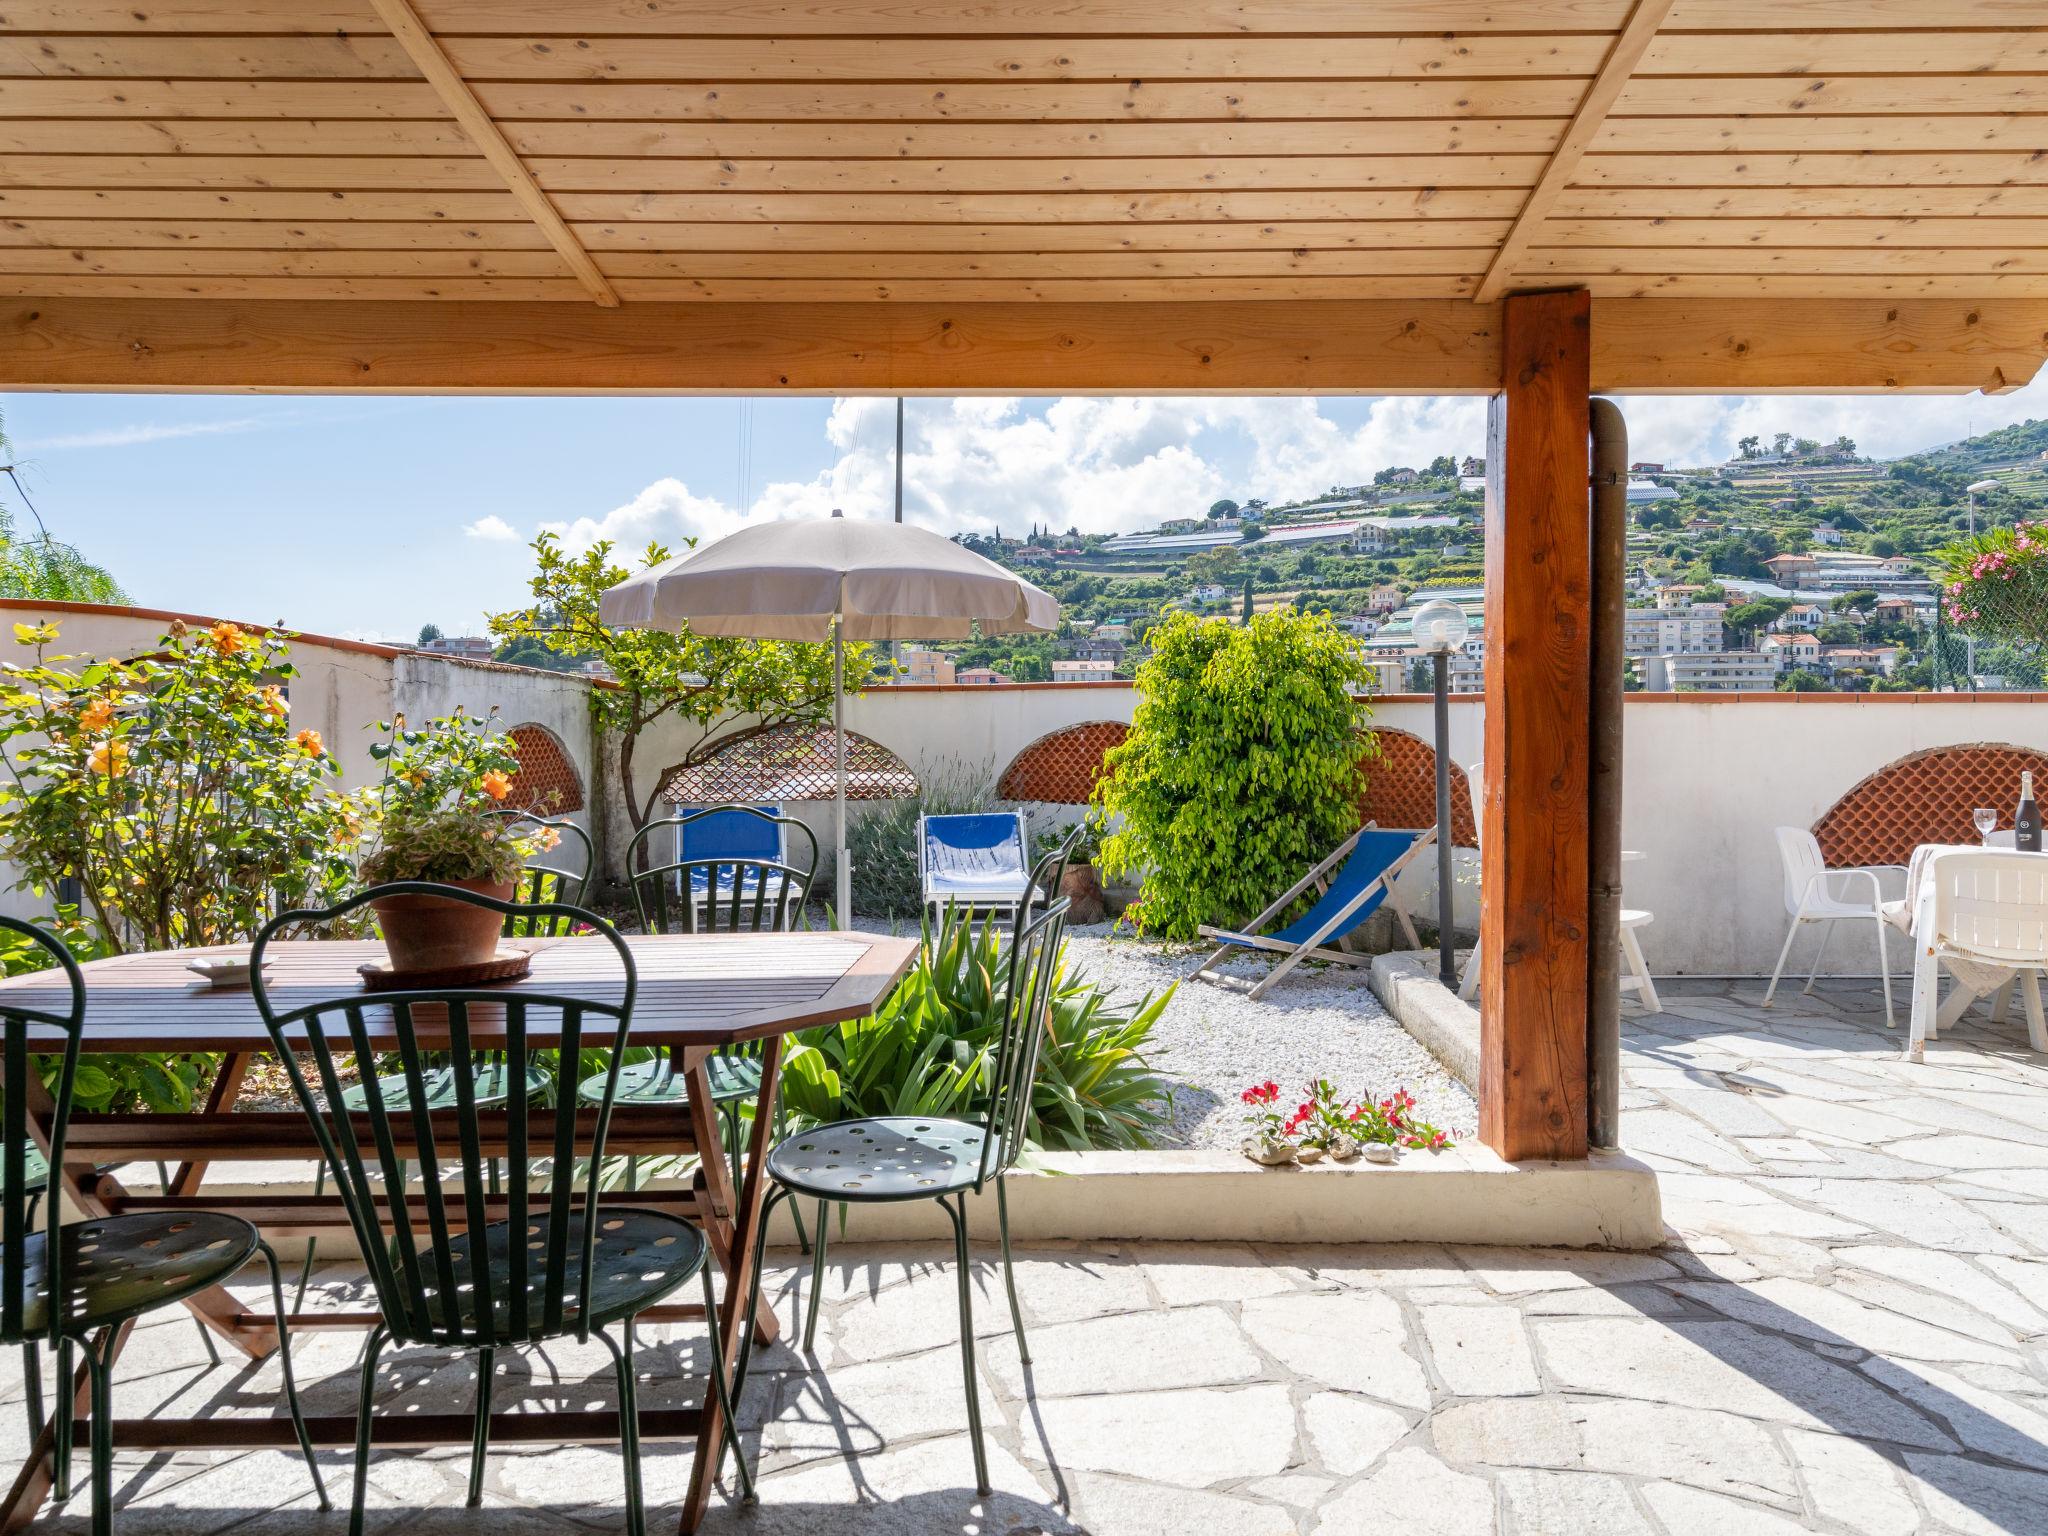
<point x="1363" y="625"/>
<point x="1096" y="648"/>
<point x="1865" y="660"/>
<point x="927" y="667"/>
<point x="1895" y="610"/>
<point x="1671" y="631"/>
<point x="1800" y="616"/>
<point x="979" y="677"/>
<point x="1470" y="466"/>
<point x="1827" y="533"/>
<point x="1384" y="599"/>
<point x="1711" y="672"/>
<point x="1073" y="670"/>
<point x="1834" y="571"/>
<point x="1797" y="649"/>
<point x="462" y="647"/>
<point x="1209" y="594"/>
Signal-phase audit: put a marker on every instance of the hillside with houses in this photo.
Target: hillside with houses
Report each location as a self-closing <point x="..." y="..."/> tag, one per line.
<point x="1796" y="564"/>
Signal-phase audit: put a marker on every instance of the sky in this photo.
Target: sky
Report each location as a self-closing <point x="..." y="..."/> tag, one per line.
<point x="368" y="517"/>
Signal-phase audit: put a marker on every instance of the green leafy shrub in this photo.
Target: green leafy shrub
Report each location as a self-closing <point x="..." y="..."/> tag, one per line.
<point x="1243" y="766"/>
<point x="882" y="842"/>
<point x="931" y="1048"/>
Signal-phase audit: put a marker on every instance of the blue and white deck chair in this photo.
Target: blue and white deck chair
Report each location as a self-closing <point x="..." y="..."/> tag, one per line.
<point x="746" y="833"/>
<point x="975" y="861"/>
<point x="1366" y="865"/>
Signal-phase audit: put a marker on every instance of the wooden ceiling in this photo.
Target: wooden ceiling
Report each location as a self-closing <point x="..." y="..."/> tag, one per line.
<point x="630" y="151"/>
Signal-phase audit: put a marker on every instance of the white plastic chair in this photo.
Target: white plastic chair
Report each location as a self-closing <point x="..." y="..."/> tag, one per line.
<point x="1985" y="915"/>
<point x="1816" y="894"/>
<point x="1638" y="978"/>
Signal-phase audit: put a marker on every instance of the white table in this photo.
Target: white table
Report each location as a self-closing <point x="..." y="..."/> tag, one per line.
<point x="1914" y="915"/>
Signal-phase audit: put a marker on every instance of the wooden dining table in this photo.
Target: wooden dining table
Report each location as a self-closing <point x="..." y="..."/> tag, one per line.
<point x="696" y="994"/>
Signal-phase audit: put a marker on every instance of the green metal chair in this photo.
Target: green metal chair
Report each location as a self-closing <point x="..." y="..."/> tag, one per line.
<point x="65" y="1283"/>
<point x="447" y="1276"/>
<point x="719" y="893"/>
<point x="551" y="876"/>
<point x="910" y="1157"/>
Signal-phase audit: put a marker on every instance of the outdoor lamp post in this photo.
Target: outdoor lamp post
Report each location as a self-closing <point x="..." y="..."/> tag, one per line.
<point x="1969" y="640"/>
<point x="1440" y="629"/>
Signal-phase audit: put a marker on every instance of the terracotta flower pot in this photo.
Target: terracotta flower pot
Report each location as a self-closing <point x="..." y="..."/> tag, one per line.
<point x="432" y="933"/>
<point x="1081" y="885"/>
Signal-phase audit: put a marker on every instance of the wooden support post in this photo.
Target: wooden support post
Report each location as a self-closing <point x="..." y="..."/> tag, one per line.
<point x="1533" y="941"/>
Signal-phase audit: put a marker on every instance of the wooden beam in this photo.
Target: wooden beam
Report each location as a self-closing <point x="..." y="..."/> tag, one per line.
<point x="462" y="104"/>
<point x="1533" y="945"/>
<point x="1364" y="346"/>
<point x="1628" y="50"/>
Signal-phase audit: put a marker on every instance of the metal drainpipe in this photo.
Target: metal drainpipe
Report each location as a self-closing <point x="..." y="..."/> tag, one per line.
<point x="1603" y="981"/>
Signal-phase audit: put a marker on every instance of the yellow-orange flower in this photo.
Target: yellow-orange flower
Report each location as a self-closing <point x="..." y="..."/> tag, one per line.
<point x="227" y="638"/>
<point x="272" y="703"/>
<point x="497" y="785"/>
<point x="308" y="742"/>
<point x="94" y="716"/>
<point x="414" y="776"/>
<point x="109" y="759"/>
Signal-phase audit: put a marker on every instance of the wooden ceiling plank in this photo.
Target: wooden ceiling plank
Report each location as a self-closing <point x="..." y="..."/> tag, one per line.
<point x="143" y="203"/>
<point x="1047" y="17"/>
<point x="512" y="101"/>
<point x="670" y="238"/>
<point x="1363" y="346"/>
<point x="1128" y="266"/>
<point x="1224" y="173"/>
<point x="1889" y="52"/>
<point x="1803" y="202"/>
<point x="954" y="141"/>
<point x="334" y="56"/>
<point x="1798" y="261"/>
<point x="317" y="173"/>
<point x="1751" y="233"/>
<point x="2019" y="132"/>
<point x="1986" y="168"/>
<point x="463" y="106"/>
<point x="1831" y="285"/>
<point x="1630" y="44"/>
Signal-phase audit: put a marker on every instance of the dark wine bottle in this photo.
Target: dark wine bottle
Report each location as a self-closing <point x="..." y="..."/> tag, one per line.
<point x="2026" y="821"/>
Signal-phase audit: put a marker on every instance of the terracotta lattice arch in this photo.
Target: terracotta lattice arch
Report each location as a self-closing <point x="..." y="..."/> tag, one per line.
<point x="1926" y="797"/>
<point x="1061" y="767"/>
<point x="1400" y="788"/>
<point x="790" y="762"/>
<point x="547" y="779"/>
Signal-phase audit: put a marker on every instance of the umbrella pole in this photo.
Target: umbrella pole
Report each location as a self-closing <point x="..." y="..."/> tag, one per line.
<point x="844" y="871"/>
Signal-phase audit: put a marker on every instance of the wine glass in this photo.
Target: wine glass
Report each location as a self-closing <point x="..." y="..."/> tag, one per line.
<point x="1986" y="822"/>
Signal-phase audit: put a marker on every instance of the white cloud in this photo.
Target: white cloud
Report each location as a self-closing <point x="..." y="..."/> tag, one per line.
<point x="493" y="528"/>
<point x="149" y="432"/>
<point x="667" y="512"/>
<point x="1112" y="465"/>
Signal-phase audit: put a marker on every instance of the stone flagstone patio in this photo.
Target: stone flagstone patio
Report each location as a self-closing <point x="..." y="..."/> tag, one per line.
<point x="1847" y="1332"/>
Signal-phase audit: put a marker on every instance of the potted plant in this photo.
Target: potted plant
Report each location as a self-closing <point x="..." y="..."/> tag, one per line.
<point x="1080" y="884"/>
<point x="434" y="818"/>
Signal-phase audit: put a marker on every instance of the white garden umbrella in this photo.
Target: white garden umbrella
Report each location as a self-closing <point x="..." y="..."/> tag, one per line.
<point x="832" y="578"/>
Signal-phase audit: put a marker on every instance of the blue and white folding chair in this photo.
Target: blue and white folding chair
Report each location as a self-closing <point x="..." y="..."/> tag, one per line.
<point x="975" y="861"/>
<point x="747" y="835"/>
<point x="1366" y="865"/>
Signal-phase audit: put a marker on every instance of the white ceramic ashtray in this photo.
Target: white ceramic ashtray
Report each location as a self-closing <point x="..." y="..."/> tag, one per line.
<point x="225" y="971"/>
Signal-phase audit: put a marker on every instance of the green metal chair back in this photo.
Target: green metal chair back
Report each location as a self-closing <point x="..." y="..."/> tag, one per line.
<point x="424" y="1300"/>
<point x="1050" y="870"/>
<point x="724" y="893"/>
<point x="556" y="876"/>
<point x="17" y="1064"/>
<point x="1034" y="954"/>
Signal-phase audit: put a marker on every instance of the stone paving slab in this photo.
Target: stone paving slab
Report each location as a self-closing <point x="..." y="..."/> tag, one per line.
<point x="1847" y="1332"/>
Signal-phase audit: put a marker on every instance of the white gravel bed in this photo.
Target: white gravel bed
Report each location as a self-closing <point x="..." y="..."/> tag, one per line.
<point x="1320" y="1021"/>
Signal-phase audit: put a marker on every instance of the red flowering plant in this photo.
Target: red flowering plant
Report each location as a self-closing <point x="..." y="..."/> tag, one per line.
<point x="1262" y="1113"/>
<point x="1392" y="1120"/>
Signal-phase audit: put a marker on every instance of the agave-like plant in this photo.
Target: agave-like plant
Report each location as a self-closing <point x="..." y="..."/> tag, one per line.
<point x="931" y="1049"/>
